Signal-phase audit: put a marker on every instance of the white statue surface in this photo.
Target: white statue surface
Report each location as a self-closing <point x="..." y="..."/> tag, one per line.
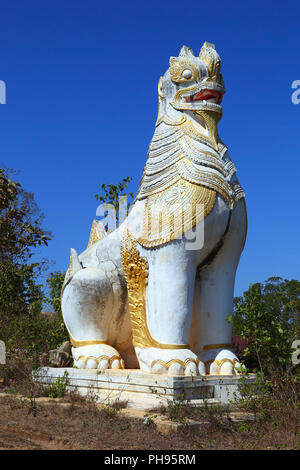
<point x="156" y="292"/>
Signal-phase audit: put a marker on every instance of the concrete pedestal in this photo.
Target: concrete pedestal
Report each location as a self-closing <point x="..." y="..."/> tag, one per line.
<point x="144" y="390"/>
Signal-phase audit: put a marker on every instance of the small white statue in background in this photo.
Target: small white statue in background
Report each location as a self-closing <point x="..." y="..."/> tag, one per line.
<point x="2" y="353"/>
<point x="155" y="293"/>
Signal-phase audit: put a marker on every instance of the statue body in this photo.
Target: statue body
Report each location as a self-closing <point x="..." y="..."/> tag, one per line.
<point x="155" y="293"/>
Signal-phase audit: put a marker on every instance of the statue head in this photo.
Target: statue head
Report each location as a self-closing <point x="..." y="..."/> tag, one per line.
<point x="193" y="83"/>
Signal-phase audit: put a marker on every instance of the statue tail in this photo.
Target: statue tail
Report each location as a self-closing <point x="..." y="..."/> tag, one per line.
<point x="74" y="267"/>
<point x="75" y="264"/>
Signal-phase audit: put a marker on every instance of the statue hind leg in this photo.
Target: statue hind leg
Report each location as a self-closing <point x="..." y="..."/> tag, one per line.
<point x="211" y="333"/>
<point x="87" y="307"/>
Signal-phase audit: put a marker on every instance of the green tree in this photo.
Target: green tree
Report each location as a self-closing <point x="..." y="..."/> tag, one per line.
<point x="267" y="317"/>
<point x="20" y="222"/>
<point x="20" y="232"/>
<point x="55" y="282"/>
<point x="19" y="291"/>
<point x="111" y="194"/>
<point x="21" y="296"/>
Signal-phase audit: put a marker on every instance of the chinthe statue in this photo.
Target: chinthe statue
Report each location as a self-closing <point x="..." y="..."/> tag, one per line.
<point x="156" y="292"/>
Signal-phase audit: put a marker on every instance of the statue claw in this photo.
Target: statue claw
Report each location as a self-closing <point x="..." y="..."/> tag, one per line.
<point x="97" y="356"/>
<point x="169" y="361"/>
<point x="222" y="362"/>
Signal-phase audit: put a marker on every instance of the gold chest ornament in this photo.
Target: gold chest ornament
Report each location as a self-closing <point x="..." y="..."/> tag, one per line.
<point x="184" y="172"/>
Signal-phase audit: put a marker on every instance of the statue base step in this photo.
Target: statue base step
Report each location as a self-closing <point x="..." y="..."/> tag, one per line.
<point x="143" y="390"/>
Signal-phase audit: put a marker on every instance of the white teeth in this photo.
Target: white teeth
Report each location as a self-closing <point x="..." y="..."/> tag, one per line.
<point x="204" y="102"/>
<point x="212" y="100"/>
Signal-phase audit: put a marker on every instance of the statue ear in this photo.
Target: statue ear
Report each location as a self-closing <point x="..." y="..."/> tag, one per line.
<point x="207" y="45"/>
<point x="211" y="59"/>
<point x="186" y="52"/>
<point x="160" y="89"/>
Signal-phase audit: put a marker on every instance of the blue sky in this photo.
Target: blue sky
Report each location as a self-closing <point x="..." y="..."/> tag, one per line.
<point x="81" y="105"/>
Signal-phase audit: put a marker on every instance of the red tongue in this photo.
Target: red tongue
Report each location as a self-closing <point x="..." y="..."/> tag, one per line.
<point x="205" y="95"/>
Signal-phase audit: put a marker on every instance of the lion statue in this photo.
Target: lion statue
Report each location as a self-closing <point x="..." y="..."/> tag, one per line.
<point x="155" y="293"/>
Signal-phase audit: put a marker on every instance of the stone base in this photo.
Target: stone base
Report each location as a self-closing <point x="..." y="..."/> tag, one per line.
<point x="143" y="390"/>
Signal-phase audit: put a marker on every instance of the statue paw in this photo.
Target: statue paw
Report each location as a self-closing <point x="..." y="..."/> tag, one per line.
<point x="170" y="361"/>
<point x="222" y="362"/>
<point x="97" y="356"/>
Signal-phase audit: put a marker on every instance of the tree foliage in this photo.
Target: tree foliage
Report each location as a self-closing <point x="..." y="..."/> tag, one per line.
<point x="19" y="291"/>
<point x="20" y="232"/>
<point x="111" y="194"/>
<point x="20" y="222"/>
<point x="267" y="317"/>
<point x="55" y="282"/>
<point x="21" y="324"/>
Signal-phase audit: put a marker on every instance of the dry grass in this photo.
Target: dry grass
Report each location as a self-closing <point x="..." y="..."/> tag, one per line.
<point x="80" y="427"/>
<point x="81" y="424"/>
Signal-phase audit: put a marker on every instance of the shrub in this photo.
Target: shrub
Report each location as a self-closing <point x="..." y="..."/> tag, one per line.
<point x="267" y="317"/>
<point x="59" y="388"/>
<point x="55" y="283"/>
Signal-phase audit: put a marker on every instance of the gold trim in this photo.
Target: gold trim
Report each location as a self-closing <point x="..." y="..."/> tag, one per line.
<point x="101" y="358"/>
<point x="175" y="361"/>
<point x="170" y="121"/>
<point x="67" y="277"/>
<point x="186" y="161"/>
<point x="212" y="60"/>
<point x="78" y="343"/>
<point x="219" y="363"/>
<point x="222" y="361"/>
<point x="211" y="119"/>
<point x="136" y="274"/>
<point x="178" y="65"/>
<point x="95" y="235"/>
<point x="207" y="347"/>
<point x="176" y="99"/>
<point x="213" y="159"/>
<point x="174" y="211"/>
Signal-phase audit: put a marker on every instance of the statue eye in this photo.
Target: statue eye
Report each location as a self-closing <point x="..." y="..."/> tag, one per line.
<point x="187" y="73"/>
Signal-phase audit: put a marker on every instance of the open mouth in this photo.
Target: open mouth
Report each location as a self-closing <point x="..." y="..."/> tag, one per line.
<point x="211" y="96"/>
